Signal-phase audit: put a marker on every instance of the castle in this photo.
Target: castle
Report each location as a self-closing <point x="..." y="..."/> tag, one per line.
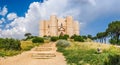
<point x="59" y="26"/>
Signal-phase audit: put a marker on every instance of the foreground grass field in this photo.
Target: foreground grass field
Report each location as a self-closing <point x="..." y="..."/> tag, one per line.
<point x="25" y="45"/>
<point x="85" y="53"/>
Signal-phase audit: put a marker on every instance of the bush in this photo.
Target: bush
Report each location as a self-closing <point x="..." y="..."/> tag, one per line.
<point x="38" y="40"/>
<point x="1" y="43"/>
<point x="46" y="38"/>
<point x="79" y="38"/>
<point x="10" y="44"/>
<point x="62" y="43"/>
<point x="73" y="36"/>
<point x="84" y="37"/>
<point x="113" y="60"/>
<point x="65" y="37"/>
<point x="113" y="41"/>
<point x="54" y="38"/>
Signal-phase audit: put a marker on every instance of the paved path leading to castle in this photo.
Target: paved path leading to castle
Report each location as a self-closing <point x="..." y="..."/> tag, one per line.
<point x="26" y="59"/>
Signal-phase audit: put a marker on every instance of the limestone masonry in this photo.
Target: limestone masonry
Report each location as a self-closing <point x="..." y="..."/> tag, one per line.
<point x="59" y="26"/>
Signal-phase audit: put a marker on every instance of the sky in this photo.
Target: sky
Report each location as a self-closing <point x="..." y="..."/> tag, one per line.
<point x="18" y="17"/>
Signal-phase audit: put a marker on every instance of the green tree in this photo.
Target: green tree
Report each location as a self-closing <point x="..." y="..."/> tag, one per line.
<point x="113" y="30"/>
<point x="90" y="37"/>
<point x="27" y="35"/>
<point x="102" y="36"/>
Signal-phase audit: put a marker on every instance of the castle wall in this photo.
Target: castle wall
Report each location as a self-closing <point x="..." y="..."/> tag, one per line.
<point x="76" y="27"/>
<point x="55" y="26"/>
<point x="46" y="28"/>
<point x="69" y="20"/>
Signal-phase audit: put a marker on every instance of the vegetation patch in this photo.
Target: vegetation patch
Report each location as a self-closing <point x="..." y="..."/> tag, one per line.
<point x="85" y="53"/>
<point x="54" y="38"/>
<point x="38" y="40"/>
<point x="27" y="45"/>
<point x="10" y="47"/>
<point x="10" y="44"/>
<point x="62" y="43"/>
<point x="65" y="37"/>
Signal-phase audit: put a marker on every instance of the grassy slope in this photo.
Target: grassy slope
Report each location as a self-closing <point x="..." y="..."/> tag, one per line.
<point x="85" y="54"/>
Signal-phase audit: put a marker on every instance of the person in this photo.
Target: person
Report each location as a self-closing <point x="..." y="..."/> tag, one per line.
<point x="99" y="50"/>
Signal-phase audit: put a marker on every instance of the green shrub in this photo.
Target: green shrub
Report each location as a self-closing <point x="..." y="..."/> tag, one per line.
<point x="65" y="37"/>
<point x="10" y="44"/>
<point x="62" y="43"/>
<point x="114" y="41"/>
<point x="38" y="40"/>
<point x="46" y="38"/>
<point x="84" y="37"/>
<point x="1" y="43"/>
<point x="73" y="36"/>
<point x="79" y="38"/>
<point x="113" y="60"/>
<point x="54" y="38"/>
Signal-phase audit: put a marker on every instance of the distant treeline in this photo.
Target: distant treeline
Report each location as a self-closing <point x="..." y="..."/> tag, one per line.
<point x="112" y="32"/>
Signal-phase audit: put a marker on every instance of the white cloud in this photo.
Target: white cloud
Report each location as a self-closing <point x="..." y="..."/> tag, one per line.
<point x="4" y="11"/>
<point x="11" y="16"/>
<point x="2" y="20"/>
<point x="93" y="2"/>
<point x="83" y="10"/>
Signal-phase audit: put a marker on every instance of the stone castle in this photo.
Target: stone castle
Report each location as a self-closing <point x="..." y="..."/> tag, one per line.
<point x="59" y="26"/>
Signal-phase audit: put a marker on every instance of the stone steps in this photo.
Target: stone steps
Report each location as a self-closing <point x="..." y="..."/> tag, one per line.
<point x="43" y="55"/>
<point x="44" y="51"/>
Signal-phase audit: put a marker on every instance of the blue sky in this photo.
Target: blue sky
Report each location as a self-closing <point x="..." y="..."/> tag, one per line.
<point x="20" y="16"/>
<point x="17" y="6"/>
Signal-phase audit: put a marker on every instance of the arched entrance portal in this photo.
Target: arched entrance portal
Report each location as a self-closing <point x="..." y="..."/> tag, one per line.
<point x="61" y="30"/>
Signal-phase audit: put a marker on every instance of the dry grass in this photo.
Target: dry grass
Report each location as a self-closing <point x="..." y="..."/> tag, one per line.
<point x="27" y="45"/>
<point x="91" y="45"/>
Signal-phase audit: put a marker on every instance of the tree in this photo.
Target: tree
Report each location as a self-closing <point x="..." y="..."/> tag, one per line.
<point x="113" y="30"/>
<point x="90" y="36"/>
<point x="95" y="38"/>
<point x="102" y="36"/>
<point x="28" y="35"/>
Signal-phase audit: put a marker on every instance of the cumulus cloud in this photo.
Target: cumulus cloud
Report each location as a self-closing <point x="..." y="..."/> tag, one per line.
<point x="2" y="20"/>
<point x="11" y="16"/>
<point x="4" y="11"/>
<point x="83" y="10"/>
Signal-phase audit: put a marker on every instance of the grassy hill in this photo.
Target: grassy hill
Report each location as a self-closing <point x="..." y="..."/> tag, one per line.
<point x="85" y="53"/>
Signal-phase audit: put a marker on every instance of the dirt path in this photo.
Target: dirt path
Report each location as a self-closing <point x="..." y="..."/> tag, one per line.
<point x="26" y="59"/>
